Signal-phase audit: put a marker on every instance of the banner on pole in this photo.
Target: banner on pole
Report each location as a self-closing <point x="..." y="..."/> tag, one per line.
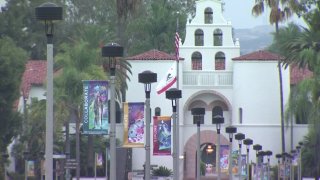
<point x="30" y="169"/>
<point x="224" y="158"/>
<point x="133" y="124"/>
<point x="161" y="135"/>
<point x="99" y="159"/>
<point x="95" y="107"/>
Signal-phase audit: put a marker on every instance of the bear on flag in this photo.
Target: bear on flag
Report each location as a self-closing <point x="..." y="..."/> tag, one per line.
<point x="169" y="79"/>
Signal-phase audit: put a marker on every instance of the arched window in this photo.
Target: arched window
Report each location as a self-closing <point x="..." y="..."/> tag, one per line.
<point x="157" y="111"/>
<point x="198" y="37"/>
<point x="208" y="17"/>
<point x="217" y="37"/>
<point x="196" y="61"/>
<point x="220" y="61"/>
<point x="217" y="111"/>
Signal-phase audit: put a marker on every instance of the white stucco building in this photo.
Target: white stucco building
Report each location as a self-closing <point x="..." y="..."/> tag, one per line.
<point x="213" y="75"/>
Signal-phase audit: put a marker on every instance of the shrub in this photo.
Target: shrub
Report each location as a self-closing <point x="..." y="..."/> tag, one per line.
<point x="162" y="171"/>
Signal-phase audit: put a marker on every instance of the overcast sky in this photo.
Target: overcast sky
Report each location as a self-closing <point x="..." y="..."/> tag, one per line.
<point x="239" y="13"/>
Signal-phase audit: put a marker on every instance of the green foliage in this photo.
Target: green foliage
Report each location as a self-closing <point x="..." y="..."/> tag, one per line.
<point x="12" y="60"/>
<point x="202" y="168"/>
<point x="162" y="171"/>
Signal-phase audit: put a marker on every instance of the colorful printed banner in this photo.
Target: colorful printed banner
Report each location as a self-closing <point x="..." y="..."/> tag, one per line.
<point x="95" y="107"/>
<point x="30" y="169"/>
<point x="224" y="156"/>
<point x="133" y="124"/>
<point x="99" y="159"/>
<point x="161" y="135"/>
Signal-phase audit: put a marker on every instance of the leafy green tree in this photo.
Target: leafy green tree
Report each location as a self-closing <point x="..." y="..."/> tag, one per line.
<point x="12" y="60"/>
<point x="280" y="10"/>
<point x="303" y="50"/>
<point x="18" y="22"/>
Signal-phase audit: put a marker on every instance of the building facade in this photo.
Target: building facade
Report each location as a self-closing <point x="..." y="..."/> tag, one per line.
<point x="212" y="75"/>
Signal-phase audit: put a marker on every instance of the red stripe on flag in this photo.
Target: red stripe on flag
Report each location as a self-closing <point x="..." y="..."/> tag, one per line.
<point x="167" y="86"/>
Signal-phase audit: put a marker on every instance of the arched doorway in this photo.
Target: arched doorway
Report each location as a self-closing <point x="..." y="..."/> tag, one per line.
<point x="208" y="157"/>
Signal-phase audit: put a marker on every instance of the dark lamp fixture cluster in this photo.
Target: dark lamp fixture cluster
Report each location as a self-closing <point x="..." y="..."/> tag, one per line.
<point x="231" y="130"/>
<point x="248" y="142"/>
<point x="198" y="113"/>
<point x="173" y="94"/>
<point x="257" y="147"/>
<point x="111" y="50"/>
<point x="147" y="77"/>
<point x="239" y="137"/>
<point x="218" y="120"/>
<point x="48" y="12"/>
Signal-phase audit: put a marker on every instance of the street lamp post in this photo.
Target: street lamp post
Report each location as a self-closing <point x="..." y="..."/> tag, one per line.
<point x="26" y="158"/>
<point x="257" y="148"/>
<point x="49" y="12"/>
<point x="218" y="120"/>
<point x="268" y="154"/>
<point x="278" y="156"/>
<point x="147" y="77"/>
<point x="248" y="142"/>
<point x="261" y="154"/>
<point x="230" y="130"/>
<point x="284" y="161"/>
<point x="299" y="161"/>
<point x="198" y="114"/>
<point x="239" y="137"/>
<point x="173" y="94"/>
<point x="112" y="51"/>
<point x="294" y="154"/>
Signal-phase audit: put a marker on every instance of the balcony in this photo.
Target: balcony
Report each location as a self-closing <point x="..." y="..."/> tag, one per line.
<point x="207" y="78"/>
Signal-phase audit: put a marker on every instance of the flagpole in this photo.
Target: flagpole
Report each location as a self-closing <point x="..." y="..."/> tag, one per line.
<point x="177" y="45"/>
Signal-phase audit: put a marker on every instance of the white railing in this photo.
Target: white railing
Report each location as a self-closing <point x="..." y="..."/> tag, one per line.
<point x="207" y="78"/>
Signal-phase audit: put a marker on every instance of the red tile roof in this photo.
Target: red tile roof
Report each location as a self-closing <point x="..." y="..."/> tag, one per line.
<point x="153" y="55"/>
<point x="298" y="74"/>
<point x="260" y="55"/>
<point x="34" y="74"/>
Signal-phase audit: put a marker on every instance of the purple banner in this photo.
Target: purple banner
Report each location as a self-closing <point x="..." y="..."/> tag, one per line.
<point x="162" y="135"/>
<point x="224" y="158"/>
<point x="133" y="124"/>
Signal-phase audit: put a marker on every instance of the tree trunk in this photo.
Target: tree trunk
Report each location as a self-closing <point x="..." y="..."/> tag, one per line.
<point x="90" y="156"/>
<point x="283" y="144"/>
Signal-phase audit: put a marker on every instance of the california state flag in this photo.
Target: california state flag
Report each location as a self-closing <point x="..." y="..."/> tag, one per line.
<point x="168" y="80"/>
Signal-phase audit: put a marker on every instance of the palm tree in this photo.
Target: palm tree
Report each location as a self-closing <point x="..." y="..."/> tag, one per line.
<point x="77" y="62"/>
<point x="304" y="50"/>
<point x="277" y="15"/>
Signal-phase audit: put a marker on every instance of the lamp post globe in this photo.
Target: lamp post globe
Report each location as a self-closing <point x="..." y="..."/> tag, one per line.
<point x="198" y="114"/>
<point x="147" y="78"/>
<point x="49" y="13"/>
<point x="173" y="94"/>
<point x="112" y="52"/>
